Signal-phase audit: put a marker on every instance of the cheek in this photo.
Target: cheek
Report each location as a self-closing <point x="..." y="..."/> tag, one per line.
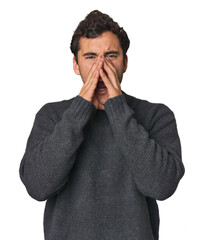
<point x="119" y="67"/>
<point x="118" y="63"/>
<point x="84" y="68"/>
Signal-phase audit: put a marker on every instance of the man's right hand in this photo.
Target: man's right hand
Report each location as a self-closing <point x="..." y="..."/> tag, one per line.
<point x="88" y="89"/>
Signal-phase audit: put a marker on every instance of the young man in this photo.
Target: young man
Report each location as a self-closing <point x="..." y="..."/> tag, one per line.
<point x="102" y="158"/>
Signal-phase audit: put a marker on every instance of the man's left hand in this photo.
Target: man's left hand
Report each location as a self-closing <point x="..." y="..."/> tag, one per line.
<point x="112" y="82"/>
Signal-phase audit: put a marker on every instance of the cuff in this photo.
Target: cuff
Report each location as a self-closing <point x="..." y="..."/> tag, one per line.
<point x="117" y="107"/>
<point x="81" y="109"/>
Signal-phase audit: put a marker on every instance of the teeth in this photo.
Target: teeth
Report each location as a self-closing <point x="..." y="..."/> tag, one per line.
<point x="102" y="89"/>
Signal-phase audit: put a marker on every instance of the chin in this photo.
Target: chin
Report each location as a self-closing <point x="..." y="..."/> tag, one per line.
<point x="102" y="99"/>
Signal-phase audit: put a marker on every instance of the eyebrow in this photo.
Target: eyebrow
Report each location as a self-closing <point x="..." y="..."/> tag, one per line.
<point x="105" y="54"/>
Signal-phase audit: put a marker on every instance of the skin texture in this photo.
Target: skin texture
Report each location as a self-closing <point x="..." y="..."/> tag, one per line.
<point x="100" y="58"/>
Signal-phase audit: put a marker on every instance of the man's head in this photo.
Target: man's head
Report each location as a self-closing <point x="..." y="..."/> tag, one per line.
<point x="93" y="26"/>
<point x="98" y="35"/>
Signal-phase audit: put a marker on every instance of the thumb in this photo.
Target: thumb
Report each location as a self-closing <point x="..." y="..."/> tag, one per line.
<point x="105" y="79"/>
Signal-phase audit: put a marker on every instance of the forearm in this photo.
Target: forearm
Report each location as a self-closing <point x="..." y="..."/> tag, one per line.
<point x="157" y="168"/>
<point x="48" y="160"/>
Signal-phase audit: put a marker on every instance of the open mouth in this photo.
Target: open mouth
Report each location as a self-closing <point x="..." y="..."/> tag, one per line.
<point x="101" y="88"/>
<point x="101" y="84"/>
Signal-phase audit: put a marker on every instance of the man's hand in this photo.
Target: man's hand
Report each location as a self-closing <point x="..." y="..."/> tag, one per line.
<point x="112" y="82"/>
<point x="88" y="89"/>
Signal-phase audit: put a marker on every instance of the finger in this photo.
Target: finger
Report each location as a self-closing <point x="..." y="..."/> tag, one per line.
<point x="92" y="74"/>
<point x="90" y="87"/>
<point x="105" y="79"/>
<point x="95" y="76"/>
<point x="110" y="64"/>
<point x="92" y="71"/>
<point x="112" y="74"/>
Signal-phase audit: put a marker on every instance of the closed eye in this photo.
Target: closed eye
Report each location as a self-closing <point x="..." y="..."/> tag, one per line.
<point x="90" y="57"/>
<point x="112" y="56"/>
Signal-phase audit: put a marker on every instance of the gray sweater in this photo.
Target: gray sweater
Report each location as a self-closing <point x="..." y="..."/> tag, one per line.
<point x="101" y="171"/>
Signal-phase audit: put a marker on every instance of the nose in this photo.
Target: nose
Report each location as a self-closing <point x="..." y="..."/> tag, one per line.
<point x="100" y="57"/>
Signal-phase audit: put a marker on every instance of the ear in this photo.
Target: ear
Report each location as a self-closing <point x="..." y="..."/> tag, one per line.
<point x="125" y="63"/>
<point x="76" y="66"/>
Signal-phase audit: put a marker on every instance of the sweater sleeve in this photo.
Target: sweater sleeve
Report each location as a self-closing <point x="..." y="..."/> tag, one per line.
<point x="52" y="148"/>
<point x="153" y="156"/>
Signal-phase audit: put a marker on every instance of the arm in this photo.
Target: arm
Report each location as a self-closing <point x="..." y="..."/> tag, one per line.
<point x="153" y="157"/>
<point x="52" y="148"/>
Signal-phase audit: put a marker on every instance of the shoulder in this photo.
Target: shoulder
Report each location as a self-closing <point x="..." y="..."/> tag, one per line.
<point x="147" y="111"/>
<point x="55" y="110"/>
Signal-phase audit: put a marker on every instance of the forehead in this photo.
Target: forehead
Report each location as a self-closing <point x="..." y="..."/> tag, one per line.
<point x="106" y="41"/>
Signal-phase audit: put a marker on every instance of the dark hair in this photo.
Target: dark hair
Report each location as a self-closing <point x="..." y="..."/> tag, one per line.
<point x="93" y="26"/>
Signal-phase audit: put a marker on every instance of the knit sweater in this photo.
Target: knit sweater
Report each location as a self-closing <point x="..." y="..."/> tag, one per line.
<point x="101" y="171"/>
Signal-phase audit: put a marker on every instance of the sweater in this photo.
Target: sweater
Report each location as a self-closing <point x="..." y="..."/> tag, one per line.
<point x="101" y="172"/>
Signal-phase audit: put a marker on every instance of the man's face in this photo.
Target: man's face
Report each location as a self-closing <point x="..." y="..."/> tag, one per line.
<point x="107" y="45"/>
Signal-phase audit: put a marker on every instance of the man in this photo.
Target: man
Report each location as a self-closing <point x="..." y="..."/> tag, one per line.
<point x="102" y="158"/>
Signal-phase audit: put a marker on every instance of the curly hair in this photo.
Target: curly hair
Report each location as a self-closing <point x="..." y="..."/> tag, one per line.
<point x="93" y="26"/>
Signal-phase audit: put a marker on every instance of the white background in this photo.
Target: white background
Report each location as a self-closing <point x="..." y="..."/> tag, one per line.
<point x="166" y="64"/>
